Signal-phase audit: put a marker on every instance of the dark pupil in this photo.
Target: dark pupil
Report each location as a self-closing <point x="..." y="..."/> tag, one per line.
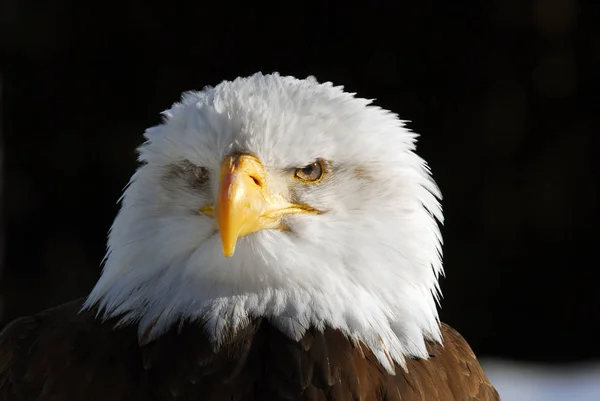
<point x="308" y="170"/>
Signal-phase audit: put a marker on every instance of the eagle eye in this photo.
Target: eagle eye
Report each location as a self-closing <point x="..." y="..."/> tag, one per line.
<point x="201" y="174"/>
<point x="311" y="173"/>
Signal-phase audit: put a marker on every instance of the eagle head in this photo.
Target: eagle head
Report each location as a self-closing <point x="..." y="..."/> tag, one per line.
<point x="282" y="198"/>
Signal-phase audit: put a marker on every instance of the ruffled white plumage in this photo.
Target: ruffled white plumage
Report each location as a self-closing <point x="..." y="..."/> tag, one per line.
<point x="368" y="266"/>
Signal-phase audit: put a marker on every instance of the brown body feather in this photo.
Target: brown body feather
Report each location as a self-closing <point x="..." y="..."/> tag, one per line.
<point x="61" y="355"/>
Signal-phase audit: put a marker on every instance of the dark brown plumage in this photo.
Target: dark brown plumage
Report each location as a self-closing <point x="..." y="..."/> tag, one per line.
<point x="61" y="355"/>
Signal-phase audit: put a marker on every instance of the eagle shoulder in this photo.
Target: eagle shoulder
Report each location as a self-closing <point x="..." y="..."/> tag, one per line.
<point x="64" y="354"/>
<point x="12" y="338"/>
<point x="61" y="354"/>
<point x="452" y="373"/>
<point x="467" y="366"/>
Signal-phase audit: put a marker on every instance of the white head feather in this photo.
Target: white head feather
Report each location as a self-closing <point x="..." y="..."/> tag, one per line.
<point x="368" y="265"/>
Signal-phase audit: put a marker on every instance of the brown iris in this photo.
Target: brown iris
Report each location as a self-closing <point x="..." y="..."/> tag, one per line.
<point x="311" y="173"/>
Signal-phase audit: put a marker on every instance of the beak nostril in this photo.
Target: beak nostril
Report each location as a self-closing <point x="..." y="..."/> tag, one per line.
<point x="257" y="181"/>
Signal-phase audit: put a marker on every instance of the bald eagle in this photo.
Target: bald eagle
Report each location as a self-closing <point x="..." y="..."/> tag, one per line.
<point x="279" y="241"/>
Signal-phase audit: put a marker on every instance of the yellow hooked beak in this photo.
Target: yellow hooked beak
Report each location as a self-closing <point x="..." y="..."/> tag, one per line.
<point x="244" y="203"/>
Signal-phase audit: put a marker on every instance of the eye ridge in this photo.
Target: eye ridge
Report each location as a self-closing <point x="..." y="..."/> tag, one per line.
<point x="311" y="173"/>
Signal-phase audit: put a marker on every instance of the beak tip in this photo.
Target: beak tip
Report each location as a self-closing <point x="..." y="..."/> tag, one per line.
<point x="228" y="251"/>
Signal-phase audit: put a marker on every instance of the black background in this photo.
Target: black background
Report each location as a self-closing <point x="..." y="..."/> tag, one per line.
<point x="504" y="94"/>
